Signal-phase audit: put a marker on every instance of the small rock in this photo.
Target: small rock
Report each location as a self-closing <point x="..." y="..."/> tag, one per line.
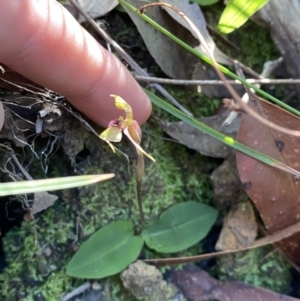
<point x="145" y="282"/>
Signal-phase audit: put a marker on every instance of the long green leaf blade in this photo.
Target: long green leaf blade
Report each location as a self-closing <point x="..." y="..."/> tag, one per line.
<point x="219" y="136"/>
<point x="107" y="252"/>
<point x="21" y="187"/>
<point x="237" y="12"/>
<point x="180" y="227"/>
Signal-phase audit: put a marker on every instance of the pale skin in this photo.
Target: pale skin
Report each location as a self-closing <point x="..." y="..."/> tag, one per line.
<point x="42" y="41"/>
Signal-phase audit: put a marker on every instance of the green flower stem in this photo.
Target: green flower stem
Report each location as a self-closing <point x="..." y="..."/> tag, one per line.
<point x="140" y="167"/>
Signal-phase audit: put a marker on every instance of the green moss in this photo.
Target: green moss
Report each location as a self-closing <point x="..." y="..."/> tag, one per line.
<point x="260" y="267"/>
<point x="37" y="254"/>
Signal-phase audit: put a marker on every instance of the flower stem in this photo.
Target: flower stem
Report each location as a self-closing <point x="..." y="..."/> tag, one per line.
<point x="140" y="167"/>
<point x="139" y="201"/>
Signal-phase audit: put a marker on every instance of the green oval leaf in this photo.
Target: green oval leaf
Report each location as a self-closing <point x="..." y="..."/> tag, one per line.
<point x="180" y="227"/>
<point x="237" y="12"/>
<point x="22" y="187"/>
<point x="107" y="252"/>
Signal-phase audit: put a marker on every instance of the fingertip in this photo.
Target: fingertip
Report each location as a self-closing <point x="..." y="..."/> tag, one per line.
<point x="97" y="102"/>
<point x="62" y="56"/>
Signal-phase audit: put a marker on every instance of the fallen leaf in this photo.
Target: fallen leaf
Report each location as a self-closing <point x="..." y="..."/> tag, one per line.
<point x="96" y="8"/>
<point x="275" y="193"/>
<point x="201" y="71"/>
<point x="199" y="141"/>
<point x="42" y="200"/>
<point x="194" y="13"/>
<point x="197" y="285"/>
<point x="173" y="59"/>
<point x="239" y="227"/>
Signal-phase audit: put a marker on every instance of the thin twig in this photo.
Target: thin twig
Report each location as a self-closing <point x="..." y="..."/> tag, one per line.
<point x="268" y="68"/>
<point x="22" y="169"/>
<point x="140" y="204"/>
<point x="134" y="65"/>
<point x="185" y="82"/>
<point x="23" y="88"/>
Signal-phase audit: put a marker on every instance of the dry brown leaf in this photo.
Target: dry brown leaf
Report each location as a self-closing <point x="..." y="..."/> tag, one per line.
<point x="194" y="13"/>
<point x="239" y="227"/>
<point x="284" y="25"/>
<point x="42" y="200"/>
<point x="201" y="71"/>
<point x="197" y="285"/>
<point x="199" y="141"/>
<point x="275" y="193"/>
<point x="96" y="8"/>
<point x="174" y="60"/>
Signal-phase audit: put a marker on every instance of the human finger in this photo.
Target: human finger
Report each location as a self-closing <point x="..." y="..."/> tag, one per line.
<point x="42" y="41"/>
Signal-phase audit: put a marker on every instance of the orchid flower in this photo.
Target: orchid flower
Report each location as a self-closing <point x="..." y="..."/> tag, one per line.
<point x="133" y="131"/>
<point x="128" y="126"/>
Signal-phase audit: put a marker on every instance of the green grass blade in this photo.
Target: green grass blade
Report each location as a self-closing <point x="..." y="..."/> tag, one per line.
<point x="217" y="135"/>
<point x="22" y="187"/>
<point x="237" y="13"/>
<point x="208" y="60"/>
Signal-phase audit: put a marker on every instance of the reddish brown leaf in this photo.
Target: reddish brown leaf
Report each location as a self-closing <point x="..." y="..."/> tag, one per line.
<point x="197" y="285"/>
<point x="275" y="193"/>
